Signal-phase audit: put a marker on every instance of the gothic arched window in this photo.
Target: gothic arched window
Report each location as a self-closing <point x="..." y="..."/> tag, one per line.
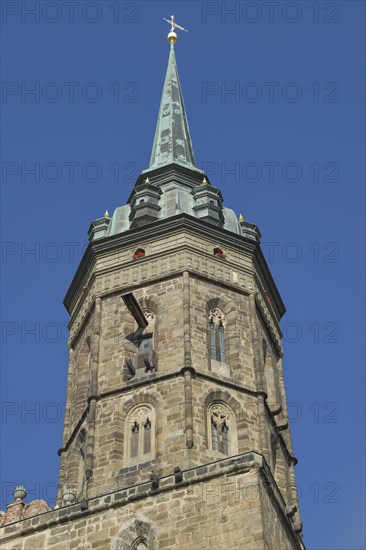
<point x="221" y="429"/>
<point x="137" y="535"/>
<point x="217" y="335"/>
<point x="139" y="435"/>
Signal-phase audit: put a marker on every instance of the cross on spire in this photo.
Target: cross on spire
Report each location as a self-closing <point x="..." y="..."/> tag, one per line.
<point x="172" y="36"/>
<point x="173" y="24"/>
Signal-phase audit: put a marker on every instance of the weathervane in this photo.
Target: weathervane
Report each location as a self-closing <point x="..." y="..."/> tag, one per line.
<point x="172" y="36"/>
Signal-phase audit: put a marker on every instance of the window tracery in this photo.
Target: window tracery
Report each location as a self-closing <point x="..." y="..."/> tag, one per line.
<point x="221" y="429"/>
<point x="217" y="324"/>
<point x="139" y="544"/>
<point x="140" y="435"/>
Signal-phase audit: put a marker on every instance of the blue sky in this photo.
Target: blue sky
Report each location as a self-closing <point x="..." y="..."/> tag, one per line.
<point x="275" y="102"/>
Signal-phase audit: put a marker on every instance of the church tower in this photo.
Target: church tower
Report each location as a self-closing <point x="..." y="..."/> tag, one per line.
<point x="176" y="429"/>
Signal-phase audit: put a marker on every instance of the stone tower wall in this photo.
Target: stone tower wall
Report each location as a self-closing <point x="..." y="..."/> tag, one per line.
<point x="180" y="281"/>
<point x="177" y="328"/>
<point x="230" y="504"/>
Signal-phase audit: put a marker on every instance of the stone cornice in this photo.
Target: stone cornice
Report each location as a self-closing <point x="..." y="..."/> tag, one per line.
<point x="169" y="226"/>
<point x="172" y="172"/>
<point x="148" y="382"/>
<point x="211" y="266"/>
<point x="88" y="299"/>
<point x="261" y="266"/>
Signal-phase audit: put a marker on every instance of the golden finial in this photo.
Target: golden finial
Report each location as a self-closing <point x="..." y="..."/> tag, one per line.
<point x="147" y="180"/>
<point x="241" y="219"/>
<point x="172" y="36"/>
<point x="106" y="214"/>
<point x="204" y="181"/>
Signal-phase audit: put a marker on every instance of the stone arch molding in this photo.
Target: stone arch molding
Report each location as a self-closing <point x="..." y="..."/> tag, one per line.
<point x="136" y="535"/>
<point x="223" y="396"/>
<point x="140" y="544"/>
<point x="139" y="399"/>
<point x="228" y="308"/>
<point x="149" y="303"/>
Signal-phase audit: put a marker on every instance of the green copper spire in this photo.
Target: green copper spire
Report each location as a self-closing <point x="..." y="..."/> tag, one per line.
<point x="172" y="142"/>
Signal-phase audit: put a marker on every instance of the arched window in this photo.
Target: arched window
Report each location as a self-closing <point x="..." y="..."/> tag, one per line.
<point x="217" y="335"/>
<point x="221" y="429"/>
<point x="137" y="535"/>
<point x="139" y="435"/>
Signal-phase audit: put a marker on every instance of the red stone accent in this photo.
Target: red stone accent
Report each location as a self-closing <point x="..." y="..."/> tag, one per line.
<point x="19" y="510"/>
<point x="140" y="253"/>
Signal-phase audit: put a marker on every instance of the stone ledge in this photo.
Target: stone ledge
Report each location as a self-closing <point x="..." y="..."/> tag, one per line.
<point x="216" y="379"/>
<point x="227" y="467"/>
<point x="161" y="228"/>
<point x="239" y="463"/>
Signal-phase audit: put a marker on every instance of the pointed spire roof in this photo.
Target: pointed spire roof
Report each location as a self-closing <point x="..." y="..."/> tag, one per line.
<point x="172" y="142"/>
